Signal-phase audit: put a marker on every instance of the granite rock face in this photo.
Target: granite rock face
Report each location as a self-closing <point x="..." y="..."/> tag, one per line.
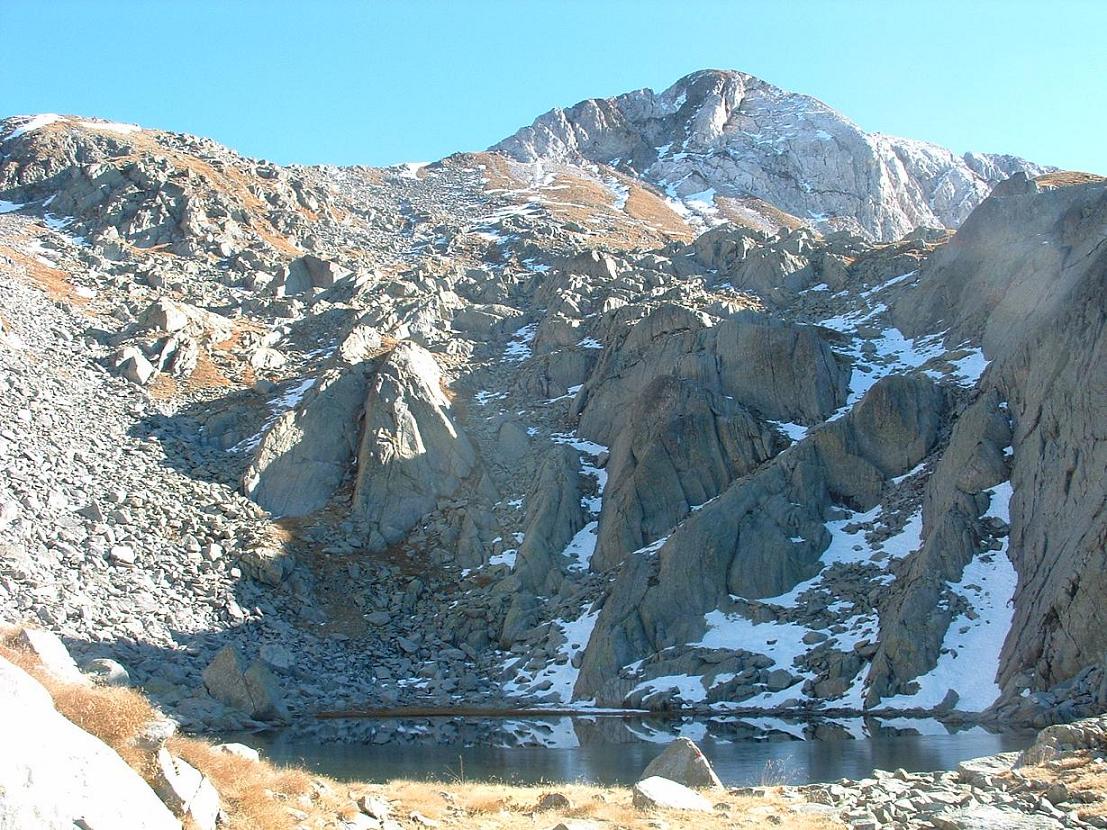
<point x="1025" y="278"/>
<point x="411" y="451"/>
<point x="308" y="451"/>
<point x="764" y="534"/>
<point x="682" y="447"/>
<point x="806" y="382"/>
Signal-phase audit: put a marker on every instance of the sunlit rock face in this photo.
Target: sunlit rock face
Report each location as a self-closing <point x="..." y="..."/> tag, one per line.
<point x="717" y="135"/>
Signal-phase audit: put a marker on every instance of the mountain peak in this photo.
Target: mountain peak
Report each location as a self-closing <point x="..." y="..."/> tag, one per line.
<point x="717" y="135"/>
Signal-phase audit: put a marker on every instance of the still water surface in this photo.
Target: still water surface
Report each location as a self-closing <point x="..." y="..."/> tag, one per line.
<point x="614" y="751"/>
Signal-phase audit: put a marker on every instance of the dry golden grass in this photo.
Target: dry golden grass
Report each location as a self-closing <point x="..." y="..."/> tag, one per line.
<point x="576" y="199"/>
<point x="497" y="169"/>
<point x="738" y="212"/>
<point x="257" y="795"/>
<point x="163" y="387"/>
<point x="646" y="206"/>
<point x="53" y="281"/>
<point x="1066" y="178"/>
<point x="1083" y="773"/>
<point x="512" y="807"/>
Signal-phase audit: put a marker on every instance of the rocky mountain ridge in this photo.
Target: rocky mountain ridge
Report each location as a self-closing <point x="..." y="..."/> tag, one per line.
<point x="729" y="146"/>
<point x="492" y="428"/>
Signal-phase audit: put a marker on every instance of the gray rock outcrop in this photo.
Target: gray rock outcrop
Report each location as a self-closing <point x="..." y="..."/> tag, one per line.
<point x="1025" y="276"/>
<point x="309" y="450"/>
<point x="681" y="447"/>
<point x="412" y="452"/>
<point x="807" y="381"/>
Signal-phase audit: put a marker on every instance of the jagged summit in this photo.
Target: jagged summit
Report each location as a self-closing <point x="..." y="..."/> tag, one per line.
<point x="717" y="139"/>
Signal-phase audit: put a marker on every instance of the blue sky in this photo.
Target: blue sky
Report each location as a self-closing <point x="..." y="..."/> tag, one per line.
<point x="378" y="83"/>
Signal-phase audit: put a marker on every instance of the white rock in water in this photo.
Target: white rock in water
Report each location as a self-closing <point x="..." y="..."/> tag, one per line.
<point x="53" y="774"/>
<point x="657" y="792"/>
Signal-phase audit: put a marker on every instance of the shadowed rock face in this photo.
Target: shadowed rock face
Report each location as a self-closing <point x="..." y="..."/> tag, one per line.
<point x="764" y="534"/>
<point x="681" y="448"/>
<point x="733" y="135"/>
<point x="915" y="617"/>
<point x="1027" y="276"/>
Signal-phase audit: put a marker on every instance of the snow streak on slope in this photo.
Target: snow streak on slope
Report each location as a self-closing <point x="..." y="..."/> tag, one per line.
<point x="969" y="659"/>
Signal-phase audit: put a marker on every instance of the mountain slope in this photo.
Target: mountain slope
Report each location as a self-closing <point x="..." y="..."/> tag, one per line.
<point x="714" y="140"/>
<point x="488" y="429"/>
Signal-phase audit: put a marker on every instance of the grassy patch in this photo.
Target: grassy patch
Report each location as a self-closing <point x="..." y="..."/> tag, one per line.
<point x="257" y="795"/>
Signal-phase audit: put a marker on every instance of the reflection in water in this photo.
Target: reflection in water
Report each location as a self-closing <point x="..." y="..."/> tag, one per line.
<point x="612" y="750"/>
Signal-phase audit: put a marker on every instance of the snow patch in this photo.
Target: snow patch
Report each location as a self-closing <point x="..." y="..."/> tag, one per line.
<point x="559" y="671"/>
<point x="110" y="127"/>
<point x="34" y="122"/>
<point x="969" y="658"/>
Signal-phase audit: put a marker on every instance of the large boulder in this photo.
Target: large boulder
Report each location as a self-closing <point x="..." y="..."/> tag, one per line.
<point x="130" y="363"/>
<point x="306" y="273"/>
<point x="174" y="317"/>
<point x="683" y="762"/>
<point x="254" y="691"/>
<point x="55" y="776"/>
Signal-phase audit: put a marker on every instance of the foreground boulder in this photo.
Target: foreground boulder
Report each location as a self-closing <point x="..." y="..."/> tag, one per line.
<point x="186" y="790"/>
<point x="55" y="776"/>
<point x="661" y="793"/>
<point x="683" y="762"/>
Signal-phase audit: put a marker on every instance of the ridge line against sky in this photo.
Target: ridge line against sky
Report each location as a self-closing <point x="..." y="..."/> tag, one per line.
<point x="378" y="83"/>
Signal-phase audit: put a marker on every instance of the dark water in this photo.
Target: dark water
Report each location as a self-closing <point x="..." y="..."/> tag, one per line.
<point x="615" y="750"/>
